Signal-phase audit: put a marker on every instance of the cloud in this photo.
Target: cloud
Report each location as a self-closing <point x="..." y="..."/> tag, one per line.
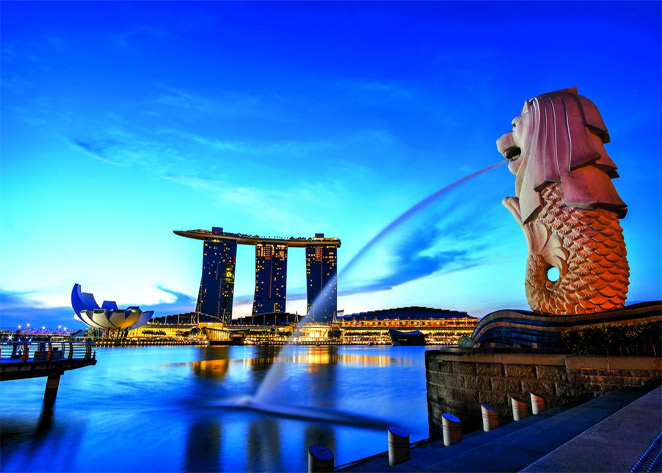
<point x="216" y="144"/>
<point x="377" y="90"/>
<point x="10" y="300"/>
<point x="11" y="51"/>
<point x="95" y="150"/>
<point x="16" y="308"/>
<point x="168" y="156"/>
<point x="137" y="34"/>
<point x="255" y="149"/>
<point x="56" y="42"/>
<point x="179" y="303"/>
<point x="225" y="105"/>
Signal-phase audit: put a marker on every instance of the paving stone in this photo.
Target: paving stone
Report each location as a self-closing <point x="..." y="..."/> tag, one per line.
<point x="517" y="445"/>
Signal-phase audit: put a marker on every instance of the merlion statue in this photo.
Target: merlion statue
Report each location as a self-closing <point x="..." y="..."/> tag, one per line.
<point x="567" y="205"/>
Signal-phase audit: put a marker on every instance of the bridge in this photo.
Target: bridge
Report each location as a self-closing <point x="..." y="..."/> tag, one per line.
<point x="22" y="360"/>
<point x="219" y="259"/>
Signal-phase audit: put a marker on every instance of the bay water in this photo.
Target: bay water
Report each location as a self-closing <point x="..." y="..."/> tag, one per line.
<point x="156" y="409"/>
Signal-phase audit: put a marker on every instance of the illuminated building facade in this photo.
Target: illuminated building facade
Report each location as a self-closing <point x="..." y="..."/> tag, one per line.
<point x="216" y="292"/>
<point x="439" y="326"/>
<point x="321" y="281"/>
<point x="218" y="272"/>
<point x="270" y="278"/>
<point x="107" y="317"/>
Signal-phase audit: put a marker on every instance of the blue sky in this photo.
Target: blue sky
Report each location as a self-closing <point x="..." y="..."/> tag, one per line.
<point x="124" y="121"/>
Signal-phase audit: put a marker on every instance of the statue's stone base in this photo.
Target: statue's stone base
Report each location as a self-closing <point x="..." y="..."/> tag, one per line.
<point x="460" y="380"/>
<point x="522" y="328"/>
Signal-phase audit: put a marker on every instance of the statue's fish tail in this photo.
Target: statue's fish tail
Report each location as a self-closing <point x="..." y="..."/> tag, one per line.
<point x="595" y="275"/>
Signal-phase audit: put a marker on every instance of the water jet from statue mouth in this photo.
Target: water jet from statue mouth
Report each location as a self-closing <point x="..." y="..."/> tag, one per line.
<point x="311" y="414"/>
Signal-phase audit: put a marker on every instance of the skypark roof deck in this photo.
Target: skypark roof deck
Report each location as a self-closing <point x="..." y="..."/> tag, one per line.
<point x="243" y="239"/>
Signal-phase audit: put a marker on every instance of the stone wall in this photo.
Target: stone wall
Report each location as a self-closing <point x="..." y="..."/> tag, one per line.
<point x="458" y="381"/>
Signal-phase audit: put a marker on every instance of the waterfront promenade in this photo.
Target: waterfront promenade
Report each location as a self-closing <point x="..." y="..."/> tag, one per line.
<point x="606" y="434"/>
<point x="23" y="360"/>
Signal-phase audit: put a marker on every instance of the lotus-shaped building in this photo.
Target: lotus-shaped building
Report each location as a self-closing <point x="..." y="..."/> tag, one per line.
<point x="108" y="316"/>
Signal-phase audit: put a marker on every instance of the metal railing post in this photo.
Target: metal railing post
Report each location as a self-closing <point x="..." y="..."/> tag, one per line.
<point x="26" y="352"/>
<point x="50" y="351"/>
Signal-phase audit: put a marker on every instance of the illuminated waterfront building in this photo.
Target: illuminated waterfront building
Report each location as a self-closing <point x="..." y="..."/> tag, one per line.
<point x="107" y="317"/>
<point x="216" y="292"/>
<point x="321" y="281"/>
<point x="270" y="278"/>
<point x="439" y="326"/>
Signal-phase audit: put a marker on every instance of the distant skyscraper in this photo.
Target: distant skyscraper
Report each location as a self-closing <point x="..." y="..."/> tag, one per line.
<point x="270" y="278"/>
<point x="217" y="285"/>
<point x="321" y="268"/>
<point x="218" y="272"/>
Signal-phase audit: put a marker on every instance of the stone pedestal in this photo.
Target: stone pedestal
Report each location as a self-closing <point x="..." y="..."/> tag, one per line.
<point x="460" y="380"/>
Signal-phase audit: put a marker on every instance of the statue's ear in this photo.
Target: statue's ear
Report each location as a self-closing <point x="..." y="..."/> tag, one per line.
<point x="526" y="106"/>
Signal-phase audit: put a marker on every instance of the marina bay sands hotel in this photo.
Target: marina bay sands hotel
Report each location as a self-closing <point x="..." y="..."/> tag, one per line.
<point x="219" y="258"/>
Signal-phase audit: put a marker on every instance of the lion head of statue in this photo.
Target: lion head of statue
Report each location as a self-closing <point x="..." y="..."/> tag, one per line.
<point x="559" y="137"/>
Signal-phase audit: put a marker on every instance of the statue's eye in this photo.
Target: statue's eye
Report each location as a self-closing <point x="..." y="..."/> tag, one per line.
<point x="514" y="125"/>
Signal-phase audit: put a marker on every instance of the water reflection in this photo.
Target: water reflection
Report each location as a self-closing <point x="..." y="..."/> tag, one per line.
<point x="319" y="435"/>
<point x="26" y="432"/>
<point x="203" y="445"/>
<point x="323" y="396"/>
<point x="323" y="390"/>
<point x="24" y="442"/>
<point x="217" y="364"/>
<point x="156" y="406"/>
<point x="264" y="445"/>
<point x="213" y="369"/>
<point x="45" y="421"/>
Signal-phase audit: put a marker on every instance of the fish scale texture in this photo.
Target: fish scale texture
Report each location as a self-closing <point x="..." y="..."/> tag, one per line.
<point x="597" y="273"/>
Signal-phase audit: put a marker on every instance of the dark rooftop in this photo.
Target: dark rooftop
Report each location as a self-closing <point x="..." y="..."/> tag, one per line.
<point x="413" y="312"/>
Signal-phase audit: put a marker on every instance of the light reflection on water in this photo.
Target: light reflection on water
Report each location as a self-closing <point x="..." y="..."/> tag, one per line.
<point x="152" y="409"/>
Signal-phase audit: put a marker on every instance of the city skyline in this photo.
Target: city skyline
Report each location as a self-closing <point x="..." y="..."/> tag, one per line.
<point x="122" y="121"/>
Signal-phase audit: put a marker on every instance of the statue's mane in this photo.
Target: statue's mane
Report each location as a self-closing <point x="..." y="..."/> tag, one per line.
<point x="565" y="144"/>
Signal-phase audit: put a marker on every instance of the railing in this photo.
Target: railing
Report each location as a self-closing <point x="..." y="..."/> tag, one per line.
<point x="23" y="352"/>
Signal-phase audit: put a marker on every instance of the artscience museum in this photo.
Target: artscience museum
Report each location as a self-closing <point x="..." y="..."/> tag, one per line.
<point x="108" y="316"/>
